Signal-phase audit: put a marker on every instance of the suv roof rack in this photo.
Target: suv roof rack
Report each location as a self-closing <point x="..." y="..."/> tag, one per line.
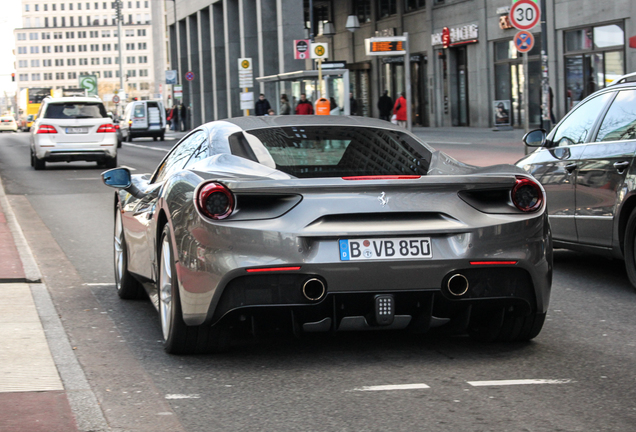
<point x="630" y="77"/>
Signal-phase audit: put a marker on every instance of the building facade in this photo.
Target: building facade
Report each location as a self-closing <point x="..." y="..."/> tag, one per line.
<point x="60" y="40"/>
<point x="458" y="85"/>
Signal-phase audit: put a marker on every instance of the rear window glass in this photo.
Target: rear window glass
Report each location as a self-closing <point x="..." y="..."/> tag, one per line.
<point x="318" y="151"/>
<point x="75" y="110"/>
<point x="139" y="111"/>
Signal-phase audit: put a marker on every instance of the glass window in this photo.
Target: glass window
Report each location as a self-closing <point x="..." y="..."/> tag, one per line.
<point x="387" y="8"/>
<point x="578" y="40"/>
<point x="576" y="127"/>
<point x="411" y="5"/>
<point x="619" y="123"/>
<point x="607" y="36"/>
<point x="178" y="157"/>
<point x="308" y="152"/>
<point x="75" y="110"/>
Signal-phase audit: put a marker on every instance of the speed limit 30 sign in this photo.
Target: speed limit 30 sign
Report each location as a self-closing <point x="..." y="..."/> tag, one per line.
<point x="524" y="14"/>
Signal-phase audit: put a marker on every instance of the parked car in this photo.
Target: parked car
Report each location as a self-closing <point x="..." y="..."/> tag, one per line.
<point x="73" y="129"/>
<point x="7" y="123"/>
<point x="586" y="165"/>
<point x="329" y="223"/>
<point x="115" y="120"/>
<point x="144" y="119"/>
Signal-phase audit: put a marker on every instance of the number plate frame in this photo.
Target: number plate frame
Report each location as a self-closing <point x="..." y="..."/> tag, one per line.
<point x="76" y="130"/>
<point x="390" y="248"/>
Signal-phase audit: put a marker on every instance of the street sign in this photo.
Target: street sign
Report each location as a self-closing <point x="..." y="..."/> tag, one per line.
<point x="246" y="74"/>
<point x="386" y="46"/>
<point x="247" y="101"/>
<point x="189" y="76"/>
<point x="319" y="50"/>
<point x="115" y="99"/>
<point x="524" y="41"/>
<point x="301" y="48"/>
<point x="171" y="77"/>
<point x="89" y="82"/>
<point x="178" y="91"/>
<point x="525" y="14"/>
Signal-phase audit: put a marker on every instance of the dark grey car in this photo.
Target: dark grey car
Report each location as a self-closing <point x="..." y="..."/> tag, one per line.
<point x="329" y="223"/>
<point x="586" y="165"/>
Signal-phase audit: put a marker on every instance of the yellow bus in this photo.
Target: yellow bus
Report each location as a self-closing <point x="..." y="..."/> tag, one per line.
<point x="34" y="97"/>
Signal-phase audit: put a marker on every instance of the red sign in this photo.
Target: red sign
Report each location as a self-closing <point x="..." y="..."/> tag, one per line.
<point x="301" y="49"/>
<point x="632" y="42"/>
<point x="115" y="99"/>
<point x="524" y="41"/>
<point x="524" y="14"/>
<point x="189" y="76"/>
<point x="446" y="39"/>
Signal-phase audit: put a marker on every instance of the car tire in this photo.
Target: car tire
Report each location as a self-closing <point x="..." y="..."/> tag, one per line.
<point x="119" y="143"/>
<point x="506" y="326"/>
<point x="163" y="137"/>
<point x="38" y="164"/>
<point x="128" y="288"/>
<point x="32" y="159"/>
<point x="154" y="138"/>
<point x="630" y="248"/>
<point x="179" y="338"/>
<point x="111" y="162"/>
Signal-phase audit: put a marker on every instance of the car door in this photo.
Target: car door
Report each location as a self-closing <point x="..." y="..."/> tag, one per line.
<point x="556" y="166"/>
<point x="603" y="168"/>
<point x="140" y="224"/>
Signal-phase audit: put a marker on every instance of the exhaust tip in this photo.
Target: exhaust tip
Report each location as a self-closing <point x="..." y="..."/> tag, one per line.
<point x="314" y="289"/>
<point x="457" y="285"/>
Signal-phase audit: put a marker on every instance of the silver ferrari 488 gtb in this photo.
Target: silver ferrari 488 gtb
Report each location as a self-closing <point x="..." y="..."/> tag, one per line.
<point x="328" y="224"/>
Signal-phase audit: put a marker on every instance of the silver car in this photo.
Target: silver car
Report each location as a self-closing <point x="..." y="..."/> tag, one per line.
<point x="321" y="223"/>
<point x="586" y="165"/>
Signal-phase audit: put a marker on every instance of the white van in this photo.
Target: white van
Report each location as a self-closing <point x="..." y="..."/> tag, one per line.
<point x="145" y="118"/>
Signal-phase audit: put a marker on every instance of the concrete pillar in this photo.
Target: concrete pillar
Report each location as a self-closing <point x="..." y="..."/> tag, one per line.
<point x="205" y="71"/>
<point x="290" y="24"/>
<point x="183" y="59"/>
<point x="219" y="61"/>
<point x="174" y="52"/>
<point x="194" y="86"/>
<point x="267" y="46"/>
<point x="233" y="53"/>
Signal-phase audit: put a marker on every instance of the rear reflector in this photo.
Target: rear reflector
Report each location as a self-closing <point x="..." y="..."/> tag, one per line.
<point x="493" y="262"/>
<point x="272" y="269"/>
<point x="46" y="129"/>
<point x="383" y="177"/>
<point x="106" y="128"/>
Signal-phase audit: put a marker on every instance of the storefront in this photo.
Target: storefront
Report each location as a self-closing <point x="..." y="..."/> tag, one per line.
<point x="360" y="86"/>
<point x="510" y="80"/>
<point x="594" y="57"/>
<point x="392" y="79"/>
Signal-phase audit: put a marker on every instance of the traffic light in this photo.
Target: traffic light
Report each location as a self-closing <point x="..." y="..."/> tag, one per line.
<point x="13" y="76"/>
<point x="135" y="98"/>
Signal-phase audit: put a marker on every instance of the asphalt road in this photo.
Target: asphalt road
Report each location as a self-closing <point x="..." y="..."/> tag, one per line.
<point x="583" y="364"/>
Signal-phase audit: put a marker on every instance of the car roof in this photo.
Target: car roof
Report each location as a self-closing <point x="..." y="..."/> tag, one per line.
<point x="259" y="122"/>
<point x="87" y="99"/>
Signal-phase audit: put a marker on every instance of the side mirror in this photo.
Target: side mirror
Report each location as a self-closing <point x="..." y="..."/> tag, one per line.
<point x="118" y="178"/>
<point x="535" y="138"/>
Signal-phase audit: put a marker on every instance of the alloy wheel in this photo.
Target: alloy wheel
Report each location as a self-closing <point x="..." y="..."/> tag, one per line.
<point x="165" y="288"/>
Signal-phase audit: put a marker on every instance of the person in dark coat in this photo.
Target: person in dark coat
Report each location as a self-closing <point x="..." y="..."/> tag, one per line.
<point x="353" y="105"/>
<point x="182" y="117"/>
<point x="385" y="105"/>
<point x="262" y="106"/>
<point x="284" y="105"/>
<point x="304" y="106"/>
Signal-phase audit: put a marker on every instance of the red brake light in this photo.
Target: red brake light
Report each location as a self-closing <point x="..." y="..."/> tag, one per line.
<point x="383" y="177"/>
<point x="271" y="269"/>
<point x="527" y="195"/>
<point x="106" y="128"/>
<point x="46" y="129"/>
<point x="116" y="126"/>
<point x="215" y="201"/>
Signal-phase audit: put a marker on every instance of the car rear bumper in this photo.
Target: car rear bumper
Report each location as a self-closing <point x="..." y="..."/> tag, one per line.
<point x="68" y="155"/>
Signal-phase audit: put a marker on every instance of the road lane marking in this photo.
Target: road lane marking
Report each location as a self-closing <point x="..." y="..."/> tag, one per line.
<point x="517" y="382"/>
<point x="99" y="284"/>
<point x="393" y="387"/>
<point x="183" y="396"/>
<point x="147" y="147"/>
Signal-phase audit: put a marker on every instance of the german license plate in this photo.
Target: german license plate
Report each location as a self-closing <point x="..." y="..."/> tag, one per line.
<point x="385" y="248"/>
<point x="76" y="130"/>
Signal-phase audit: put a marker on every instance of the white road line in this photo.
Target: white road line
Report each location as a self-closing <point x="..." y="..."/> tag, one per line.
<point x="147" y="147"/>
<point x="392" y="387"/>
<point x="518" y="382"/>
<point x="183" y="396"/>
<point x="126" y="166"/>
<point x="99" y="284"/>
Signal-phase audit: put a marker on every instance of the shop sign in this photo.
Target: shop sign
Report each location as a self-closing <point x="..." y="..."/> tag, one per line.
<point x="415" y="58"/>
<point x="504" y="22"/>
<point x="446" y="37"/>
<point x="458" y="35"/>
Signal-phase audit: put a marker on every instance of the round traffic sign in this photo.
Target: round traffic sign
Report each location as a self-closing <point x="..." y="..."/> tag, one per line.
<point x="115" y="99"/>
<point x="524" y="41"/>
<point x="524" y="14"/>
<point x="245" y="64"/>
<point x="189" y="76"/>
<point x="319" y="50"/>
<point x="302" y="46"/>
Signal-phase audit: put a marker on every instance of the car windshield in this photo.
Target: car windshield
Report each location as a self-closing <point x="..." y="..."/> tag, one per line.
<point x="75" y="110"/>
<point x="319" y="151"/>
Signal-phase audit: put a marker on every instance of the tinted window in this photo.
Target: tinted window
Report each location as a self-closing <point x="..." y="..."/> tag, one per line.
<point x="177" y="158"/>
<point x="620" y="121"/>
<point x="318" y="151"/>
<point x="75" y="110"/>
<point x="139" y="111"/>
<point x="576" y="127"/>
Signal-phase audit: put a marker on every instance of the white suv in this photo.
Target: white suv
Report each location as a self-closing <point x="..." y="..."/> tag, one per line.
<point x="73" y="129"/>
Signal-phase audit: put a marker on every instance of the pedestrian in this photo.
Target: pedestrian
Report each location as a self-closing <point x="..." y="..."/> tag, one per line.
<point x="304" y="107"/>
<point x="385" y="105"/>
<point x="183" y="112"/>
<point x="284" y="105"/>
<point x="262" y="105"/>
<point x="353" y="104"/>
<point x="169" y="116"/>
<point x="400" y="109"/>
<point x="270" y="112"/>
<point x="334" y="109"/>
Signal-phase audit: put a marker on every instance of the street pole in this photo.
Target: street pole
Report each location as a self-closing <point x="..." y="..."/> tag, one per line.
<point x="526" y="120"/>
<point x="119" y="4"/>
<point x="407" y="79"/>
<point x="545" y="79"/>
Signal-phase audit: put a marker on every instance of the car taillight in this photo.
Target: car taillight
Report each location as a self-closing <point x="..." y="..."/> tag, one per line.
<point x="527" y="195"/>
<point x="106" y="128"/>
<point x="46" y="129"/>
<point x="215" y="201"/>
<point x="116" y="126"/>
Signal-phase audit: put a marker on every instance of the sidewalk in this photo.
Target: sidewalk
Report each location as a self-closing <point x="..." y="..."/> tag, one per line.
<point x="32" y="397"/>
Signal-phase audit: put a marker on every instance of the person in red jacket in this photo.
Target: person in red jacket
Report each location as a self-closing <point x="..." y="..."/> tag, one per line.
<point x="399" y="109"/>
<point x="304" y="106"/>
